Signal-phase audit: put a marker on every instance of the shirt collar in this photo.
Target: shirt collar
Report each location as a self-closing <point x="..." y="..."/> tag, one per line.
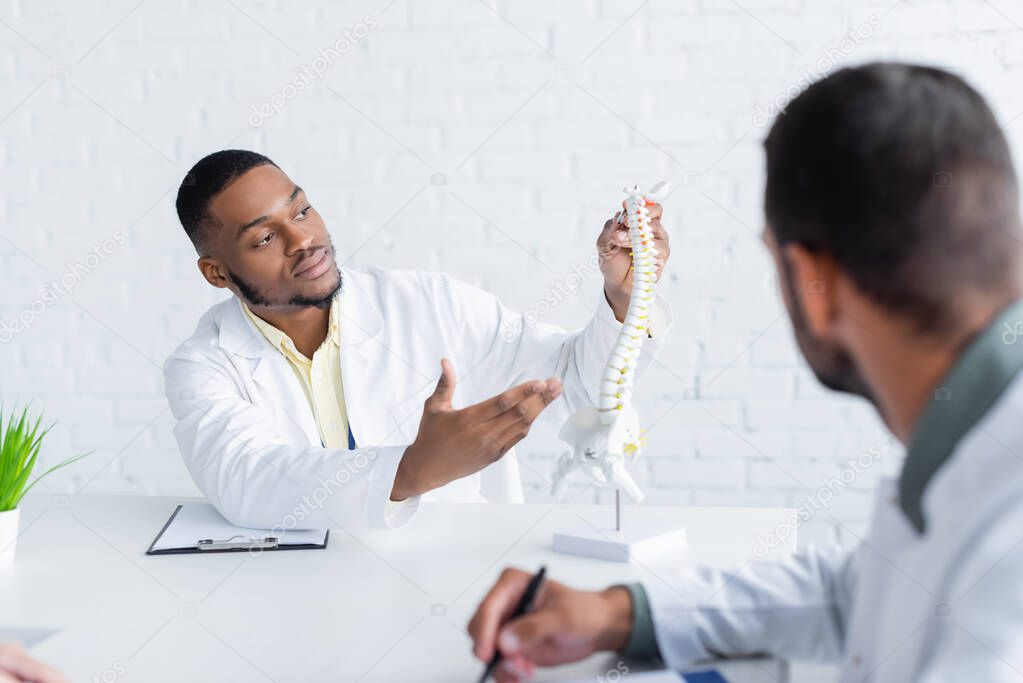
<point x="334" y="323"/>
<point x="275" y="336"/>
<point x="281" y="341"/>
<point x="978" y="377"/>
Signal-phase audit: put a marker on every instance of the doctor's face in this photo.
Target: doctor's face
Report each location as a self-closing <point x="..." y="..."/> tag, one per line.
<point x="271" y="245"/>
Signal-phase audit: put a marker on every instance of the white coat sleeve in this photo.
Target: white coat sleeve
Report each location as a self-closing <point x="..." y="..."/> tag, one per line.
<point x="254" y="477"/>
<point x="506" y="348"/>
<point x="797" y="608"/>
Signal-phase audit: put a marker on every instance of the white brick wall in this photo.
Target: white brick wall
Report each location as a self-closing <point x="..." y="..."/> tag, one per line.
<point x="536" y="112"/>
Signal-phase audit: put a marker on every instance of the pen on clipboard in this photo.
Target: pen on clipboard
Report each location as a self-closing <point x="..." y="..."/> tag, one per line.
<point x="525" y="604"/>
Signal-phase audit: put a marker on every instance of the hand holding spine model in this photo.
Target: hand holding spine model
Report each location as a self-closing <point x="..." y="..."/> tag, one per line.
<point x="602" y="437"/>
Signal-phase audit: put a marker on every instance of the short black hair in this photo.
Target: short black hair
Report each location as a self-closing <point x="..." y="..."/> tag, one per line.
<point x="902" y="175"/>
<point x="203" y="182"/>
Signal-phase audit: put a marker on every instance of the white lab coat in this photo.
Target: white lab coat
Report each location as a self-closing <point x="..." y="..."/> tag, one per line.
<point x="945" y="605"/>
<point x="248" y="436"/>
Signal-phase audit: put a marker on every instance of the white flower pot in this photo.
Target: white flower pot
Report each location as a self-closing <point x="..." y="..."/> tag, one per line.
<point x="8" y="536"/>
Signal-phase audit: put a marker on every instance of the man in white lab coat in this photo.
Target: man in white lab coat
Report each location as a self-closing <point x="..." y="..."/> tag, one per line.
<point x="310" y="397"/>
<point x="892" y="215"/>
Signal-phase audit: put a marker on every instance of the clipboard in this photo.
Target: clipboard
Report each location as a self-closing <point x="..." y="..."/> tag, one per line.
<point x="199" y="529"/>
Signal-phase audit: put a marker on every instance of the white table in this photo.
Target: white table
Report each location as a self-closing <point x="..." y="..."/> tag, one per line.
<point x="374" y="606"/>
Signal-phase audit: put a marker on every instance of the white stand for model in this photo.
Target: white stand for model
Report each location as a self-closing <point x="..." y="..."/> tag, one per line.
<point x="642" y="541"/>
<point x="603" y="437"/>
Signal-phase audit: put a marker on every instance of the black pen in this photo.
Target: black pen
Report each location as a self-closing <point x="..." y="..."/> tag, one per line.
<point x="525" y="604"/>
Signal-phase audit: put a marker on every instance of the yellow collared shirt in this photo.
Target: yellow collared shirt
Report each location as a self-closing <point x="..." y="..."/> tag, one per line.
<point x="320" y="376"/>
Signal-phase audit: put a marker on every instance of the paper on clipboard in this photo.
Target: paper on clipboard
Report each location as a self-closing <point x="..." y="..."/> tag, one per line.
<point x="194" y="522"/>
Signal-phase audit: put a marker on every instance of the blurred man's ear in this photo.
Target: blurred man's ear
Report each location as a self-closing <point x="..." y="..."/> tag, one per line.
<point x="812" y="278"/>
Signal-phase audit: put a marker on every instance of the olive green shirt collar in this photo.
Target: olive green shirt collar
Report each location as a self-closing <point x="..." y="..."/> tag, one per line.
<point x="961" y="399"/>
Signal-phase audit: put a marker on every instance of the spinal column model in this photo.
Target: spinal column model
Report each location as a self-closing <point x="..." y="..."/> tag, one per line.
<point x="602" y="437"/>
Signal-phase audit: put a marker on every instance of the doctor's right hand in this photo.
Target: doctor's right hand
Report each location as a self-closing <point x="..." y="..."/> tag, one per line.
<point x="452" y="444"/>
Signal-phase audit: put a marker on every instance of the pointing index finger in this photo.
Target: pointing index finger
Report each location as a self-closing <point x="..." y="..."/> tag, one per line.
<point x="507" y="400"/>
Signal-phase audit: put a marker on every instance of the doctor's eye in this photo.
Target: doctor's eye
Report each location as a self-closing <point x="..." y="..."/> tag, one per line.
<point x="301" y="215"/>
<point x="265" y="241"/>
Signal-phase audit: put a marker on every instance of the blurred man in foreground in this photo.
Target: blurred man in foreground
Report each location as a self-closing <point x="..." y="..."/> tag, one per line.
<point x="892" y="215"/>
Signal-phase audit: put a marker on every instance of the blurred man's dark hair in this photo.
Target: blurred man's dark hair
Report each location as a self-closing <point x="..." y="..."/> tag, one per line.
<point x="902" y="175"/>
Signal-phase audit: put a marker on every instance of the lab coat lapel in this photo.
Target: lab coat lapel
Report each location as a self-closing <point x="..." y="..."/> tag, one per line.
<point x="362" y="376"/>
<point x="275" y="380"/>
<point x="383" y="397"/>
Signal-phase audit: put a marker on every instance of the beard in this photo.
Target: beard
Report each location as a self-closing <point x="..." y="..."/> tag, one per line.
<point x="831" y="364"/>
<point x="254" y="297"/>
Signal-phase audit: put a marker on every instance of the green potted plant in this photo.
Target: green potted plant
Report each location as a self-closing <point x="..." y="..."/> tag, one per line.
<point x="20" y="441"/>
